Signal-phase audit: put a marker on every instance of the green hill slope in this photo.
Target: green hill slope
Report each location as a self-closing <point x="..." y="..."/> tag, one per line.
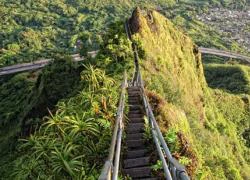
<point x="34" y="29"/>
<point x="207" y="130"/>
<point x="74" y="138"/>
<point x="209" y="134"/>
<point x="232" y="78"/>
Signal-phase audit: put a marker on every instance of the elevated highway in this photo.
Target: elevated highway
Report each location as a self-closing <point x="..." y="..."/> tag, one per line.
<point x="223" y="53"/>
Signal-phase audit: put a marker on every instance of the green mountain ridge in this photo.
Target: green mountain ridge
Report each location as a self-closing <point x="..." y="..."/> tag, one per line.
<point x="174" y="75"/>
<point x="203" y="110"/>
<point x="34" y="29"/>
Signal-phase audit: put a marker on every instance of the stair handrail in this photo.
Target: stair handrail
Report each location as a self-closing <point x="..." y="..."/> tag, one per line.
<point x="111" y="166"/>
<point x="172" y="169"/>
<point x="175" y="171"/>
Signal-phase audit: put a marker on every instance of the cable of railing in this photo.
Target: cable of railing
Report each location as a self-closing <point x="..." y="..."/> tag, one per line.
<point x="161" y="155"/>
<point x="177" y="170"/>
<point x="153" y="129"/>
<point x="109" y="171"/>
<point x="134" y="48"/>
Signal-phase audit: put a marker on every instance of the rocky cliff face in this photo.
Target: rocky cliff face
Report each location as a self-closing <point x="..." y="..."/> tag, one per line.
<point x="183" y="104"/>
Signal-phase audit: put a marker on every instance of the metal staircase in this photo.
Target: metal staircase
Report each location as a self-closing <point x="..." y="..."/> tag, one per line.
<point x="136" y="161"/>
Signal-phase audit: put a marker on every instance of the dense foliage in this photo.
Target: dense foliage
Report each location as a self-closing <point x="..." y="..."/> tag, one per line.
<point x="26" y="98"/>
<point x="13" y="99"/>
<point x="203" y="128"/>
<point x="233" y="78"/>
<point x="75" y="134"/>
<point x="73" y="140"/>
<point x="34" y="29"/>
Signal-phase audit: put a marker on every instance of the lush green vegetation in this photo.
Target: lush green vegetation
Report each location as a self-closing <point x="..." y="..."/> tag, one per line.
<point x="202" y="127"/>
<point x="74" y="138"/>
<point x="33" y="29"/>
<point x="13" y="99"/>
<point x="233" y="78"/>
<point x="26" y="97"/>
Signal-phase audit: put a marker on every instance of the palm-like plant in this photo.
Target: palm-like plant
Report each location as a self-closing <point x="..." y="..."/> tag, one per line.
<point x="43" y="147"/>
<point x="81" y="124"/>
<point x="28" y="143"/>
<point x="96" y="78"/>
<point x="24" y="168"/>
<point x="55" y="122"/>
<point x="64" y="160"/>
<point x="92" y="76"/>
<point x="91" y="149"/>
<point x="85" y="99"/>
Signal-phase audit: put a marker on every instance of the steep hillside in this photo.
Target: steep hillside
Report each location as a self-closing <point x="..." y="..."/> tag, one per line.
<point x="207" y="130"/>
<point x="26" y="98"/>
<point x="231" y="78"/>
<point x="207" y="137"/>
<point x="74" y="137"/>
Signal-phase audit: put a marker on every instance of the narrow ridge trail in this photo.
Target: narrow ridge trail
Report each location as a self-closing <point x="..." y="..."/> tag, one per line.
<point x="138" y="156"/>
<point x="136" y="163"/>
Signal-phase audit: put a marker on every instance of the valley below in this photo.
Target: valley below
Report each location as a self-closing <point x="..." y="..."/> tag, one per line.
<point x="234" y="25"/>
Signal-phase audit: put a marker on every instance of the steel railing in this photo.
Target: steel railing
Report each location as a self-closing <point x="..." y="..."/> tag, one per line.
<point x="111" y="166"/>
<point x="172" y="168"/>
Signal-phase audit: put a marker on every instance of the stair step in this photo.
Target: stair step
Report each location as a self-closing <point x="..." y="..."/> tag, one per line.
<point x="147" y="179"/>
<point x="136" y="153"/>
<point x="135" y="107"/>
<point x="139" y="105"/>
<point x="138" y="172"/>
<point x="134" y="136"/>
<point x="136" y="111"/>
<point x="134" y="96"/>
<point x="135" y="143"/>
<point x="136" y="120"/>
<point x="134" y="115"/>
<point x="133" y="90"/>
<point x="137" y="162"/>
<point x="134" y="101"/>
<point x="134" y="93"/>
<point x="135" y="129"/>
<point x="136" y="126"/>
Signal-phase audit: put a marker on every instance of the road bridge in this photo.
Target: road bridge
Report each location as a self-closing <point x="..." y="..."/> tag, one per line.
<point x="223" y="53"/>
<point x="37" y="64"/>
